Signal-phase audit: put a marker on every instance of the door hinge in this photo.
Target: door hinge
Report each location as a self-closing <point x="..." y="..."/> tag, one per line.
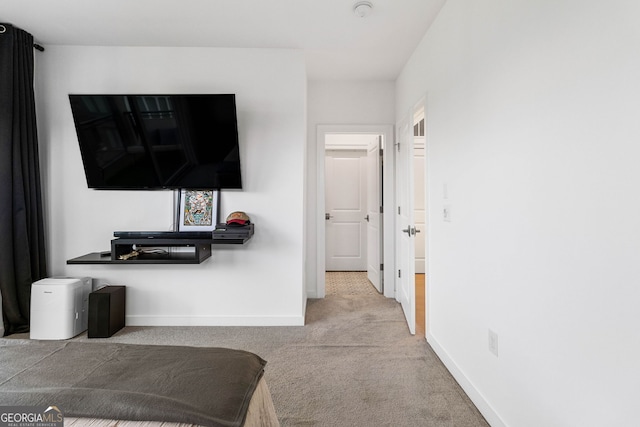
<point x="381" y="267"/>
<point x="398" y="210"/>
<point x="380" y="152"/>
<point x="397" y="144"/>
<point x="399" y="274"/>
<point x="381" y="209"/>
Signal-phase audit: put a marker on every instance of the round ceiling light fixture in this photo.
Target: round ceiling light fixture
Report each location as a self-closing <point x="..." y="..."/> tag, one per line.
<point x="362" y="9"/>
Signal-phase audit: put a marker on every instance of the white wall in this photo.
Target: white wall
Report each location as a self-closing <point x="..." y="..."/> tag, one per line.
<point x="336" y="102"/>
<point x="532" y="124"/>
<point x="260" y="283"/>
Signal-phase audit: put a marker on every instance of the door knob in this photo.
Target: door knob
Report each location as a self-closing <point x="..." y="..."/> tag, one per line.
<point x="367" y="218"/>
<point x="328" y="216"/>
<point x="408" y="231"/>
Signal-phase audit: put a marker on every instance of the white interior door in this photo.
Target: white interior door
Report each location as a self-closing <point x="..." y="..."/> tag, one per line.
<point x="373" y="218"/>
<point x="405" y="227"/>
<point x="346" y="209"/>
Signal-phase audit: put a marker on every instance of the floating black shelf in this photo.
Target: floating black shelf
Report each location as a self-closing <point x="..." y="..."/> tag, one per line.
<point x="162" y="251"/>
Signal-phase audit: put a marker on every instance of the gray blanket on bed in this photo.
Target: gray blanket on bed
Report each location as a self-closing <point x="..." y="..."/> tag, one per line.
<point x="197" y="385"/>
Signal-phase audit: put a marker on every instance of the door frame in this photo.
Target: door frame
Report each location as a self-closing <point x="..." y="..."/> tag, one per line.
<point x="388" y="177"/>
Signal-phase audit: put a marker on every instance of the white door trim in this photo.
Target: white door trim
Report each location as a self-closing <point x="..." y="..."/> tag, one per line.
<point x="387" y="131"/>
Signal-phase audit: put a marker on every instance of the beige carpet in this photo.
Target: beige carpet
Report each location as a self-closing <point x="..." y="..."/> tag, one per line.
<point x="353" y="364"/>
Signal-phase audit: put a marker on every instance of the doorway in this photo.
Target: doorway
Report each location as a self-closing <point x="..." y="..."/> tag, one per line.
<point x="420" y="216"/>
<point x="353" y="204"/>
<point x="383" y="133"/>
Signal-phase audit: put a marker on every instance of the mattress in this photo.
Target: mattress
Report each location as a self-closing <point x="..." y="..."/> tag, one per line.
<point x="105" y="383"/>
<point x="261" y="413"/>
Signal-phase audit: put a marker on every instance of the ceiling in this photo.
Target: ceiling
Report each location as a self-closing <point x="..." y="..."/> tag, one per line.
<point x="337" y="43"/>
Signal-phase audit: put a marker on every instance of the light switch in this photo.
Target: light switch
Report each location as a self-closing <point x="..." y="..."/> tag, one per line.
<point x="446" y="213"/>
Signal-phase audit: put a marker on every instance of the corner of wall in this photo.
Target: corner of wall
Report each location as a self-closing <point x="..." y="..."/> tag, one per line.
<point x="476" y="397"/>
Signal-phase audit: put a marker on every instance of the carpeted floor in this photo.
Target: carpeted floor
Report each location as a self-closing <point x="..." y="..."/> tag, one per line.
<point x="354" y="363"/>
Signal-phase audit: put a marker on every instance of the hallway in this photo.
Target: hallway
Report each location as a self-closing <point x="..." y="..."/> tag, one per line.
<point x="356" y="283"/>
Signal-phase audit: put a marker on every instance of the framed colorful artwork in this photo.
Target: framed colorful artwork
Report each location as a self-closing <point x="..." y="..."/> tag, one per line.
<point x="198" y="210"/>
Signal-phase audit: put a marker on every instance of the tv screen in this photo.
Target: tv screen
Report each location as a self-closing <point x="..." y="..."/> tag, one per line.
<point x="136" y="142"/>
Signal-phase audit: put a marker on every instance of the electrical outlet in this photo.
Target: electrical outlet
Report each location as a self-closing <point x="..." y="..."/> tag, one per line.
<point x="493" y="342"/>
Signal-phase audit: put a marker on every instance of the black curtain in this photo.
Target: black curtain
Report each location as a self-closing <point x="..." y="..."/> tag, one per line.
<point x="22" y="251"/>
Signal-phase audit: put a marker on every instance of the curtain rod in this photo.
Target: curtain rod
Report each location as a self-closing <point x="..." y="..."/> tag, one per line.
<point x="36" y="46"/>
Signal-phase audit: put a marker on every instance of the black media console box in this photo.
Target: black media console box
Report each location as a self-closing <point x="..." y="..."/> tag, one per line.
<point x="106" y="311"/>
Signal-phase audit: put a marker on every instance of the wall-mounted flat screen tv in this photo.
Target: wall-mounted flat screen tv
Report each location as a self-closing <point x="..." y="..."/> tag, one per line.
<point x="145" y="142"/>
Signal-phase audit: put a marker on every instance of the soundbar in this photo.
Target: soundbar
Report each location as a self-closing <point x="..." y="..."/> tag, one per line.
<point x="163" y="234"/>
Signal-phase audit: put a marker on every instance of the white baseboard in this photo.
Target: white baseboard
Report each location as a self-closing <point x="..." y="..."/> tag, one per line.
<point x="214" y="320"/>
<point x="476" y="397"/>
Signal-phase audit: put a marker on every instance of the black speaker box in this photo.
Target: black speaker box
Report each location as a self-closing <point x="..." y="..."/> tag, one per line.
<point x="106" y="311"/>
